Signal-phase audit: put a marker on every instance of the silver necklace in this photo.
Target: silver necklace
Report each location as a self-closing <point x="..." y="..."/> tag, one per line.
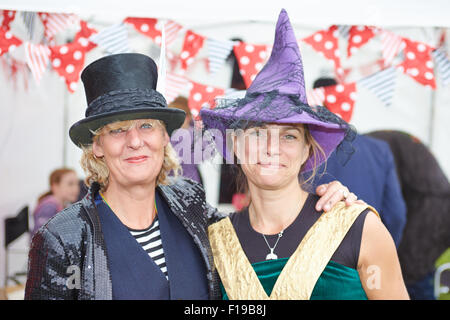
<point x="271" y="255"/>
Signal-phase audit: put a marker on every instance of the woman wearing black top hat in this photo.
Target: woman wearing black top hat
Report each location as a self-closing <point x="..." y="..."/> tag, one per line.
<point x="136" y="234"/>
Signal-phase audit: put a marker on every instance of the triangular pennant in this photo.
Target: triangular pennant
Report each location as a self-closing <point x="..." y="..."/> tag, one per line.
<point x="83" y="35"/>
<point x="203" y="96"/>
<point x="172" y="29"/>
<point x="175" y="85"/>
<point x="382" y="84"/>
<point x="8" y="42"/>
<point x="56" y="22"/>
<point x="358" y="36"/>
<point x="68" y="61"/>
<point x="340" y="99"/>
<point x="391" y="45"/>
<point x="7" y="17"/>
<point x="218" y="51"/>
<point x="315" y="97"/>
<point x="443" y="64"/>
<point x="326" y="43"/>
<point x="193" y="42"/>
<point x="37" y="57"/>
<point x="418" y="62"/>
<point x="113" y="39"/>
<point x="146" y="26"/>
<point x="251" y="59"/>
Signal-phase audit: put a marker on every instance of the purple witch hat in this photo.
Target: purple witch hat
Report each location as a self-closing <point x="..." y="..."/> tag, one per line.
<point x="278" y="95"/>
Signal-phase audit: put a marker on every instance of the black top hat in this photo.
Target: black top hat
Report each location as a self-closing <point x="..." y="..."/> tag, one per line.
<point x="122" y="87"/>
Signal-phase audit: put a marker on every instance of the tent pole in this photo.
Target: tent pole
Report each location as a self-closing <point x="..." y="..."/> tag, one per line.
<point x="65" y="126"/>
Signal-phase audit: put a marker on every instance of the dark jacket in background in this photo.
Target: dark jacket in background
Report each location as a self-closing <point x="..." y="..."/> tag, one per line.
<point x="426" y="191"/>
<point x="73" y="240"/>
<point x="370" y="173"/>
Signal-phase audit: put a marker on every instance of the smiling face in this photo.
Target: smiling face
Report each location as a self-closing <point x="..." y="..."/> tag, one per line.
<point x="132" y="150"/>
<point x="271" y="156"/>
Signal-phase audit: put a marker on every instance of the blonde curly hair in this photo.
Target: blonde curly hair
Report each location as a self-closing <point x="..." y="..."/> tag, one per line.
<point x="97" y="171"/>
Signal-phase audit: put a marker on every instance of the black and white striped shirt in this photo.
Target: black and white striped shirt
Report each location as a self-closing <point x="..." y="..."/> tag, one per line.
<point x="150" y="240"/>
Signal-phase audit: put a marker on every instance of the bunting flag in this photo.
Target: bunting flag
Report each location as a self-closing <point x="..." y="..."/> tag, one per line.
<point x="83" y="35"/>
<point x="251" y="59"/>
<point x="382" y="84"/>
<point x="202" y="96"/>
<point x="326" y="43"/>
<point x="113" y="39"/>
<point x="172" y="29"/>
<point x="28" y="19"/>
<point x="218" y="51"/>
<point x="358" y="36"/>
<point x="443" y="64"/>
<point x="7" y="17"/>
<point x="56" y="22"/>
<point x="418" y="62"/>
<point x="68" y="61"/>
<point x="175" y="86"/>
<point x="193" y="42"/>
<point x="344" y="31"/>
<point x="149" y="27"/>
<point x="37" y="57"/>
<point x="391" y="45"/>
<point x="315" y="97"/>
<point x="7" y="41"/>
<point x="340" y="99"/>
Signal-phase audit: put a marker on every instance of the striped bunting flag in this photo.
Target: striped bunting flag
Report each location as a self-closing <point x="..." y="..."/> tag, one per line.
<point x="28" y="19"/>
<point x="391" y="45"/>
<point x="344" y="31"/>
<point x="56" y="22"/>
<point x="218" y="51"/>
<point x="113" y="39"/>
<point x="443" y="64"/>
<point x="172" y="29"/>
<point x="175" y="85"/>
<point x="382" y="84"/>
<point x="315" y="97"/>
<point x="37" y="57"/>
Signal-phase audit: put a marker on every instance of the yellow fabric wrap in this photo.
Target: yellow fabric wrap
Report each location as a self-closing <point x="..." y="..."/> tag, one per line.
<point x="304" y="267"/>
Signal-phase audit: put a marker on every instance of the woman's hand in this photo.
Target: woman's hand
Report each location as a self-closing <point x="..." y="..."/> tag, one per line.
<point x="332" y="193"/>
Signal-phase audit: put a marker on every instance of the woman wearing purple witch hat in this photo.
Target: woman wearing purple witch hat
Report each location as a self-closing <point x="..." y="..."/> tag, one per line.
<point x="281" y="247"/>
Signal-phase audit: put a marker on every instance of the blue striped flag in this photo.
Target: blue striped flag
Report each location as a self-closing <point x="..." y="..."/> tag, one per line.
<point x="382" y="84"/>
<point x="28" y="19"/>
<point x="113" y="39"/>
<point x="218" y="51"/>
<point x="443" y="64"/>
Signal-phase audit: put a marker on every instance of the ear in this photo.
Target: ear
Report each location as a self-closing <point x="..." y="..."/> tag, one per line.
<point x="305" y="153"/>
<point x="166" y="138"/>
<point x="97" y="149"/>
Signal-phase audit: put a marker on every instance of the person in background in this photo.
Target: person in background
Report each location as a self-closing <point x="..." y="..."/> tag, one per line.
<point x="190" y="168"/>
<point x="64" y="190"/>
<point x="426" y="190"/>
<point x="370" y="174"/>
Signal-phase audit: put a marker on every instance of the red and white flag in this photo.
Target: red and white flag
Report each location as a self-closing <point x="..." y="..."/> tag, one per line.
<point x="340" y="99"/>
<point x="391" y="45"/>
<point x="175" y="85"/>
<point x="8" y="42"/>
<point x="56" y="22"/>
<point x="172" y="29"/>
<point x="203" y="96"/>
<point x="193" y="42"/>
<point x="315" y="97"/>
<point x="37" y="57"/>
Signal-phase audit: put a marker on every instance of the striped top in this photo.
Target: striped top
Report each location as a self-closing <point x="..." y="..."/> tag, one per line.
<point x="150" y="240"/>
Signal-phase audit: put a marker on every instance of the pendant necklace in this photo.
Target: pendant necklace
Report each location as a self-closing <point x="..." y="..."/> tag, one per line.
<point x="271" y="255"/>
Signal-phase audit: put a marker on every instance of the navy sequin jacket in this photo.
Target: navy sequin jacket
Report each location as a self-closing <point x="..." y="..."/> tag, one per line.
<point x="71" y="244"/>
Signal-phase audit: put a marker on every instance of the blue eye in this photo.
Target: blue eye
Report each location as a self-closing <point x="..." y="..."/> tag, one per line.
<point x="116" y="131"/>
<point x="146" y="125"/>
<point x="290" y="137"/>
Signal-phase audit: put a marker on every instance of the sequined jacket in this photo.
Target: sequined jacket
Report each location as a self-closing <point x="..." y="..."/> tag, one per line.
<point x="67" y="258"/>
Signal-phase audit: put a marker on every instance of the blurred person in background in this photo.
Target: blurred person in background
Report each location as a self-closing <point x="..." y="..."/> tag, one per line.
<point x="189" y="167"/>
<point x="371" y="174"/>
<point x="64" y="190"/>
<point x="426" y="191"/>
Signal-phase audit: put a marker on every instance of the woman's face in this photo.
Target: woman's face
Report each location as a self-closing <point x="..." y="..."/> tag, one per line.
<point x="271" y="156"/>
<point x="68" y="187"/>
<point x="134" y="155"/>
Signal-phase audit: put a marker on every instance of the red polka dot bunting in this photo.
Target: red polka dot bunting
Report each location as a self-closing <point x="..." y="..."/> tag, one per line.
<point x="358" y="36"/>
<point x="147" y="26"/>
<point x="418" y="63"/>
<point x="340" y="99"/>
<point x="7" y="17"/>
<point x="68" y="61"/>
<point x="251" y="59"/>
<point x="326" y="43"/>
<point x="193" y="42"/>
<point x="202" y="96"/>
<point x="82" y="36"/>
<point x="8" y="42"/>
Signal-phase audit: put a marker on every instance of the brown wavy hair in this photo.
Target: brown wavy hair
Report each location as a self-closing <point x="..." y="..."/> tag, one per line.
<point x="55" y="178"/>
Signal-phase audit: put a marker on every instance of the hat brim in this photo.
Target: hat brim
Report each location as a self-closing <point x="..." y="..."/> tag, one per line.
<point x="80" y="132"/>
